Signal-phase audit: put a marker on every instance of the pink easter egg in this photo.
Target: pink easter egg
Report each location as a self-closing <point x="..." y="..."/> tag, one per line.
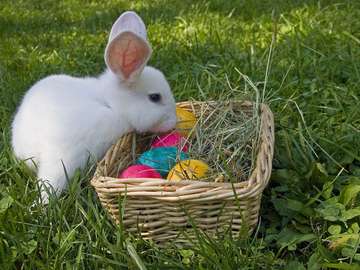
<point x="171" y="139"/>
<point x="139" y="171"/>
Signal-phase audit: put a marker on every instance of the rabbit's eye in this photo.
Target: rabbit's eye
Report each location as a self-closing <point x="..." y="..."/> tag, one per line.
<point x="155" y="97"/>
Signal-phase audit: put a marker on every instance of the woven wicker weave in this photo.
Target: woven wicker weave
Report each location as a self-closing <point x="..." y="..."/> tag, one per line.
<point x="163" y="210"/>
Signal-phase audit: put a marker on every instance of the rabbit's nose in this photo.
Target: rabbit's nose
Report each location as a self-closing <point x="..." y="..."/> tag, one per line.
<point x="172" y="122"/>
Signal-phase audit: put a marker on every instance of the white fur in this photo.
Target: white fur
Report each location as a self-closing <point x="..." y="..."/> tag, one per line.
<point x="63" y="120"/>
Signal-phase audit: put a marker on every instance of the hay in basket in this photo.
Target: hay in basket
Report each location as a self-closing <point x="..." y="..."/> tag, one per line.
<point x="166" y="211"/>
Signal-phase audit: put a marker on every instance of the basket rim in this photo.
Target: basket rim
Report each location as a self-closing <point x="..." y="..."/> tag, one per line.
<point x="254" y="182"/>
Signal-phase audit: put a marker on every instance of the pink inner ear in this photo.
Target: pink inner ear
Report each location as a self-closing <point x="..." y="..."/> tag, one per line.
<point x="128" y="54"/>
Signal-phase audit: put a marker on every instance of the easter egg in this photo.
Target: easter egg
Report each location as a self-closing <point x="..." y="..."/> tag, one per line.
<point x="171" y="139"/>
<point x="162" y="159"/>
<point x="191" y="169"/>
<point x="185" y="121"/>
<point x="139" y="171"/>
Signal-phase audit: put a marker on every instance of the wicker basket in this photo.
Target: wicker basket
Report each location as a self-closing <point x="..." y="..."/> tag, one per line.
<point x="163" y="210"/>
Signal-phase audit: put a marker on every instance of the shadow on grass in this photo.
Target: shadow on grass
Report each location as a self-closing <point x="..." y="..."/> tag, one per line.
<point x="50" y="15"/>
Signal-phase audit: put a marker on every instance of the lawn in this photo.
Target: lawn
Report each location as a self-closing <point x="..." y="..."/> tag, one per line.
<point x="310" y="214"/>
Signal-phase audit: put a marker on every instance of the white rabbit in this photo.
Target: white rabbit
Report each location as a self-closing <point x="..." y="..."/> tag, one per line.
<point x="63" y="120"/>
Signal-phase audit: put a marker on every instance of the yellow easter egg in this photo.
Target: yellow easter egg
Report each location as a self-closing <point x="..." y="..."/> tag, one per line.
<point x="185" y="121"/>
<point x="189" y="169"/>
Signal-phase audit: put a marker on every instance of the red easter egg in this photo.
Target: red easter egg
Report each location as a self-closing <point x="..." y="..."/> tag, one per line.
<point x="139" y="171"/>
<point x="171" y="139"/>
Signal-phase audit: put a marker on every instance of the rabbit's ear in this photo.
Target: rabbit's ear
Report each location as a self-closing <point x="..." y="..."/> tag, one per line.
<point x="128" y="50"/>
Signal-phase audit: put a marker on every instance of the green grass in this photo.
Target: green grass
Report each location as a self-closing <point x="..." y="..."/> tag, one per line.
<point x="310" y="213"/>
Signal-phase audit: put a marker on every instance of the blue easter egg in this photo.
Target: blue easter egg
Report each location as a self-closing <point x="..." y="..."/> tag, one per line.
<point x="162" y="159"/>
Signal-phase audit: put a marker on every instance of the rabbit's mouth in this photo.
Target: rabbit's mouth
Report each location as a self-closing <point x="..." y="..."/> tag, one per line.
<point x="164" y="125"/>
